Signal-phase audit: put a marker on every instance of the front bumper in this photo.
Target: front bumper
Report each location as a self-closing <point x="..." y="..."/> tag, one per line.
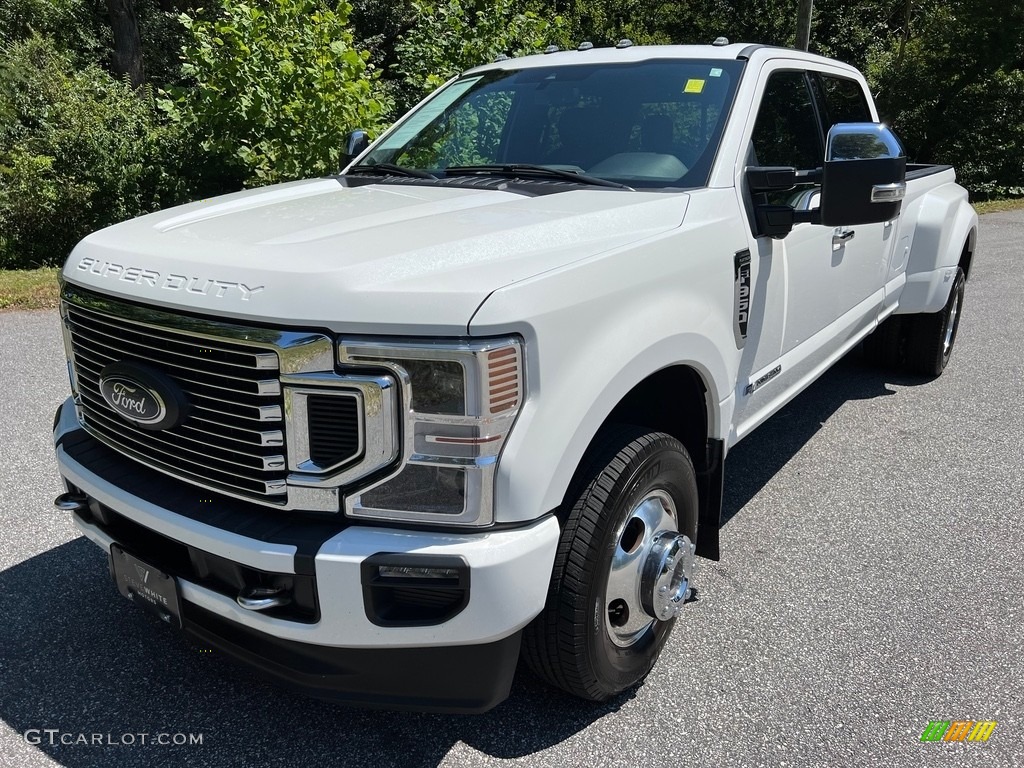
<point x="464" y="663"/>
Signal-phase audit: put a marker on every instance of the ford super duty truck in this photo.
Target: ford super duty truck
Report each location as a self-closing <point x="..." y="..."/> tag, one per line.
<point x="384" y="433"/>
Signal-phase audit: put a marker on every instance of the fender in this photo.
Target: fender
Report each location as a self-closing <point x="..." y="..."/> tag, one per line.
<point x="945" y="223"/>
<point x="587" y="354"/>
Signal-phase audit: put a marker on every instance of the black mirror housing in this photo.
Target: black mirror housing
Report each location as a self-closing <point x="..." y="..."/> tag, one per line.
<point x="355" y="144"/>
<point x="770" y="178"/>
<point x="864" y="178"/>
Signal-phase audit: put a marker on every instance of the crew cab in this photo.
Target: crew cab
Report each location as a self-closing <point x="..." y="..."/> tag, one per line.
<point x="382" y="434"/>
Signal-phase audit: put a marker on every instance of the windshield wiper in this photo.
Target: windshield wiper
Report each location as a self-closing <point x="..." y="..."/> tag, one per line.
<point x="529" y="169"/>
<point x="390" y="169"/>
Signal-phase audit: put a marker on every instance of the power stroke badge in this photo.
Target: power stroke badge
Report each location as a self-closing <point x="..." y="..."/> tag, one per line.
<point x="742" y="297"/>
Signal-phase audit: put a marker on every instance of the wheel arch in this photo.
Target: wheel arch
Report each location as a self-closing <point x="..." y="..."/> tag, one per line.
<point x="944" y="238"/>
<point x="967" y="254"/>
<point x="676" y="400"/>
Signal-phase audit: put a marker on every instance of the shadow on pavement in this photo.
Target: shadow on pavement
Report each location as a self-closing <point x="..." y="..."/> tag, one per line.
<point x="76" y="657"/>
<point x="760" y="455"/>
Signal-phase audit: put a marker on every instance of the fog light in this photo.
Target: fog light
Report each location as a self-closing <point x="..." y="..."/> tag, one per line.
<point x="412" y="572"/>
<point x="404" y="589"/>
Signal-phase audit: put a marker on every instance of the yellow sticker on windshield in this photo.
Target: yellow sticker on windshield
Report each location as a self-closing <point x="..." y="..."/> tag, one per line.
<point x="694" y="86"/>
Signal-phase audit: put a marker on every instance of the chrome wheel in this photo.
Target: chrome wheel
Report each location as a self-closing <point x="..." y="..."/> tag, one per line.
<point x="954" y="312"/>
<point x="930" y="336"/>
<point x="623" y="565"/>
<point x="650" y="572"/>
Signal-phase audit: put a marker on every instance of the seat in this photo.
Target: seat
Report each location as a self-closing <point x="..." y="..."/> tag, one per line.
<point x="656" y="134"/>
<point x="580" y="144"/>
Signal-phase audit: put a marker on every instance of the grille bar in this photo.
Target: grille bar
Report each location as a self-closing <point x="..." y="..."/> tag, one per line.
<point x="184" y="443"/>
<point x="262" y="386"/>
<point x="240" y="356"/>
<point x="174" y="449"/>
<point x="233" y="437"/>
<point x="176" y="464"/>
<point x="87" y="360"/>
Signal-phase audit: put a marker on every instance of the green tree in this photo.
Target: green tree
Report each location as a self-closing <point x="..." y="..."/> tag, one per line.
<point x="951" y="86"/>
<point x="275" y="87"/>
<point x="449" y="36"/>
<point x="78" y="151"/>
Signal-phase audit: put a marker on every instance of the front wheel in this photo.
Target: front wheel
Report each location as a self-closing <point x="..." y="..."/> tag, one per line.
<point x="623" y="568"/>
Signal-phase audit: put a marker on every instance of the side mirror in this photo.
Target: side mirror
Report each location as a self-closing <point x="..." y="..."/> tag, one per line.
<point x="355" y="145"/>
<point x="777" y="221"/>
<point x="864" y="178"/>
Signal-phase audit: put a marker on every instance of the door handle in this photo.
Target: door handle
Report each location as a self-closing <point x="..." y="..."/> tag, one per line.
<point x="841" y="237"/>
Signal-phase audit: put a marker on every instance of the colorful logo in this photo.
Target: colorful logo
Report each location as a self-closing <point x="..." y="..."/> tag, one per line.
<point x="959" y="730"/>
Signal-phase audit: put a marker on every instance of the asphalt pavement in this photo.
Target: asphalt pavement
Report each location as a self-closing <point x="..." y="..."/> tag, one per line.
<point x="872" y="580"/>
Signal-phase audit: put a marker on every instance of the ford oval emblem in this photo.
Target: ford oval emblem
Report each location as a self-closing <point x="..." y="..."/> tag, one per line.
<point x="132" y="400"/>
<point x="142" y="395"/>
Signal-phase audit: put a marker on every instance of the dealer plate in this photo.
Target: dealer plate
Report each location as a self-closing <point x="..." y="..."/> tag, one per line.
<point x="146" y="585"/>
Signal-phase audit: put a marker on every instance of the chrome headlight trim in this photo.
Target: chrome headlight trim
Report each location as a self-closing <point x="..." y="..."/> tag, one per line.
<point x="493" y="395"/>
<point x="379" y="420"/>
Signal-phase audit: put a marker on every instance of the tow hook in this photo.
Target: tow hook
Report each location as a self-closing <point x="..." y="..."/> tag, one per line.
<point x="263" y="598"/>
<point x="72" y="502"/>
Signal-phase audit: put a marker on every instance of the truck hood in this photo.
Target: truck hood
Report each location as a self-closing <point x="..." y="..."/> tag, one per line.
<point x="375" y="258"/>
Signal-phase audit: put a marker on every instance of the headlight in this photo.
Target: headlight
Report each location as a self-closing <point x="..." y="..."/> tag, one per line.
<point x="461" y="401"/>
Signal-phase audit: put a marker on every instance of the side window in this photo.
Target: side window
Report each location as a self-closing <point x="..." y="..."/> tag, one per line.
<point x="786" y="132"/>
<point x="844" y="101"/>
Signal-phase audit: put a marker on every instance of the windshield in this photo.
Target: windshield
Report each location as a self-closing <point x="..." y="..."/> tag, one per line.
<point x="654" y="123"/>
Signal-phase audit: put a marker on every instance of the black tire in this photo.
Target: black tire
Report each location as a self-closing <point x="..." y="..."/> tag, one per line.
<point x="883" y="348"/>
<point x="570" y="644"/>
<point x="930" y="337"/>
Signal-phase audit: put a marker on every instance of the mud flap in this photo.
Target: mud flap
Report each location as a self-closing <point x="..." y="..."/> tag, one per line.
<point x="710" y="479"/>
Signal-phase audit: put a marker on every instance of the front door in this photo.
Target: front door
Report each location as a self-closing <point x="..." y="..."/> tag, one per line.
<point x="823" y="285"/>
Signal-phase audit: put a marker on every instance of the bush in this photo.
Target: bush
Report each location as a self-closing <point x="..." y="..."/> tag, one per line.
<point x="78" y="151"/>
<point x="277" y="87"/>
<point x="952" y="90"/>
<point x="450" y="36"/>
<point x="79" y="25"/>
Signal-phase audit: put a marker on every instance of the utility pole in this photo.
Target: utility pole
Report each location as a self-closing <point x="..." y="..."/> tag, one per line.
<point x="803" y="24"/>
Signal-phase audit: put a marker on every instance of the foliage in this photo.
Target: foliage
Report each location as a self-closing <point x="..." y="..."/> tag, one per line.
<point x="78" y="151"/>
<point x="163" y="36"/>
<point x="450" y="36"/>
<point x="605" y="22"/>
<point x="81" y="30"/>
<point x="275" y="87"/>
<point x="378" y="26"/>
<point x="270" y="88"/>
<point x="952" y="89"/>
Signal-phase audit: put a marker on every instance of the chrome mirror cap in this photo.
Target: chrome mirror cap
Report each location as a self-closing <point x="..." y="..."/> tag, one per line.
<point x="862" y="141"/>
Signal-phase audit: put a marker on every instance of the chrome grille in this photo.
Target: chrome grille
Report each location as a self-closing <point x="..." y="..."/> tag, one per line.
<point x="234" y="436"/>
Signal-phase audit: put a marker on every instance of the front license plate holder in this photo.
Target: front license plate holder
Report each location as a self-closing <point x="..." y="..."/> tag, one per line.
<point x="146" y="586"/>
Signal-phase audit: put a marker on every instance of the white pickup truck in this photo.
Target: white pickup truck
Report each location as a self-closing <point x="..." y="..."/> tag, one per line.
<point x="381" y="434"/>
